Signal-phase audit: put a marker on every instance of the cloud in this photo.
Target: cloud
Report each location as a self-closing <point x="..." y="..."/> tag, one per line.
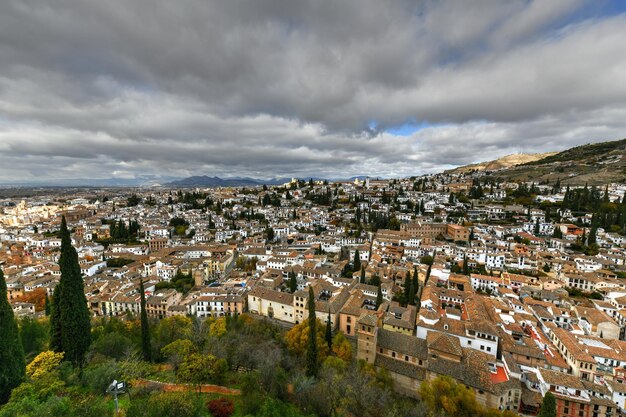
<point x="272" y="88"/>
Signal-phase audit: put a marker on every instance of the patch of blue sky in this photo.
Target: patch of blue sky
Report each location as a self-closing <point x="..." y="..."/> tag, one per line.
<point x="409" y="128"/>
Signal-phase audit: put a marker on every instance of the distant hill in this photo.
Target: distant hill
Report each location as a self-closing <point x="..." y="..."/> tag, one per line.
<point x="593" y="164"/>
<point x="504" y="162"/>
<point x="210" y="182"/>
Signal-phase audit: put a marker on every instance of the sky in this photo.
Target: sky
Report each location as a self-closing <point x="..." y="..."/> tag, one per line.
<point x="269" y="88"/>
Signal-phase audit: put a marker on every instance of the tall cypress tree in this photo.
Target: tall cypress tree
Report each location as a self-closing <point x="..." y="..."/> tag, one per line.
<point x="70" y="321"/>
<point x="47" y="305"/>
<point x="379" y="297"/>
<point x="12" y="364"/>
<point x="312" y="366"/>
<point x="357" y="261"/>
<point x="293" y="282"/>
<point x="407" y="287"/>
<point x="146" y="348"/>
<point x="465" y="266"/>
<point x="362" y="280"/>
<point x="329" y="332"/>
<point x="411" y="296"/>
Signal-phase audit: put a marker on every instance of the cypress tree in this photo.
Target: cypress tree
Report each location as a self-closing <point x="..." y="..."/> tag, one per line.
<point x="146" y="348"/>
<point x="329" y="332"/>
<point x="379" y="297"/>
<point x="411" y="296"/>
<point x="70" y="320"/>
<point x="592" y="236"/>
<point x="357" y="260"/>
<point x="407" y="287"/>
<point x="12" y="364"/>
<point x="293" y="282"/>
<point x="362" y="281"/>
<point x="312" y="366"/>
<point x="465" y="266"/>
<point x="55" y="321"/>
<point x="47" y="305"/>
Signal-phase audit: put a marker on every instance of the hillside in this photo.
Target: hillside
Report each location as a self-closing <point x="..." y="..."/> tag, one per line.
<point x="504" y="162"/>
<point x="593" y="164"/>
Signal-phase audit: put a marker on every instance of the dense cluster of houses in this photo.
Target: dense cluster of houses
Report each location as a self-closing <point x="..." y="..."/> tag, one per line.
<point x="503" y="303"/>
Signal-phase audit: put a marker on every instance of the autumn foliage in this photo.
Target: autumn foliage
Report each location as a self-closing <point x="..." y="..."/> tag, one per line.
<point x="221" y="407"/>
<point x="36" y="297"/>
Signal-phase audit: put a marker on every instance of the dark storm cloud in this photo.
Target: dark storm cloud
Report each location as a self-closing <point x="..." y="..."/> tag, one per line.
<point x="92" y="88"/>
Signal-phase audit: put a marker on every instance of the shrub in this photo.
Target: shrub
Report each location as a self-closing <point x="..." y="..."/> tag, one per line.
<point x="221" y="407"/>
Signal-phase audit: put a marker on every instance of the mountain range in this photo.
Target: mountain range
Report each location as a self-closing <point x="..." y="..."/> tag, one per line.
<point x="206" y="181"/>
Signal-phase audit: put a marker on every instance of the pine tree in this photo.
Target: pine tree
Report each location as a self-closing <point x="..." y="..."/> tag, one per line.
<point x="329" y="332"/>
<point x="12" y="364"/>
<point x="548" y="406"/>
<point x="312" y="365"/>
<point x="70" y="321"/>
<point x="146" y="348"/>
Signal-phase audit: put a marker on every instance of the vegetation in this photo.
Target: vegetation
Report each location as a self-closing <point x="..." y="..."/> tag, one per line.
<point x="146" y="347"/>
<point x="582" y="152"/>
<point x="548" y="406"/>
<point x="181" y="282"/>
<point x="312" y="361"/>
<point x="11" y="351"/>
<point x="70" y="318"/>
<point x="118" y="262"/>
<point x="443" y="396"/>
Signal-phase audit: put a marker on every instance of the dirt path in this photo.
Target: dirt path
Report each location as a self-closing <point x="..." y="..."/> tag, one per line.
<point x="170" y="387"/>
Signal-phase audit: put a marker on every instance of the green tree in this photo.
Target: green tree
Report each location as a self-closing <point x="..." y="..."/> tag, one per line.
<point x="47" y="305"/>
<point x="146" y="348"/>
<point x="548" y="406"/>
<point x="444" y="396"/>
<point x="379" y="297"/>
<point x="70" y="318"/>
<point x="34" y="335"/>
<point x="293" y="282"/>
<point x="329" y="332"/>
<point x="312" y="364"/>
<point x="465" y="266"/>
<point x="357" y="261"/>
<point x="12" y="363"/>
<point x="592" y="236"/>
<point x="411" y="294"/>
<point x="362" y="280"/>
